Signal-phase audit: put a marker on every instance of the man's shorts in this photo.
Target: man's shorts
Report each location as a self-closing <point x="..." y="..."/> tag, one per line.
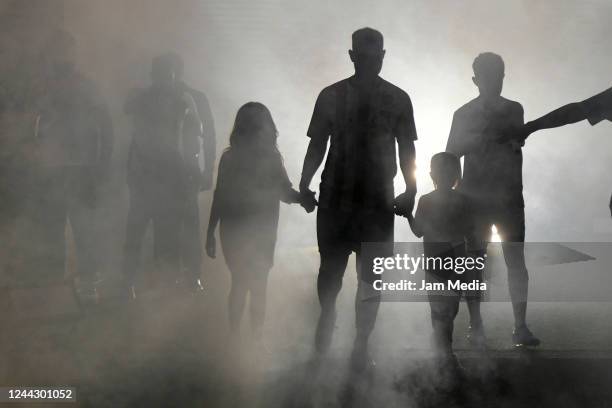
<point x="341" y="232"/>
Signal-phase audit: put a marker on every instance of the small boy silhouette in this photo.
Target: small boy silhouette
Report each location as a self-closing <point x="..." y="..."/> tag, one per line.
<point x="443" y="219"/>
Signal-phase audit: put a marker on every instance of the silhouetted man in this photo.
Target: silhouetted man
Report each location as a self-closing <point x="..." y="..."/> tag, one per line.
<point x="492" y="178"/>
<point x="160" y="168"/>
<point x="75" y="140"/>
<point x="594" y="109"/>
<point x="191" y="244"/>
<point x="362" y="117"/>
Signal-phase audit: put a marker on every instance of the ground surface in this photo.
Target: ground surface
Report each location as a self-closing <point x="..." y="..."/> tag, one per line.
<point x="174" y="351"/>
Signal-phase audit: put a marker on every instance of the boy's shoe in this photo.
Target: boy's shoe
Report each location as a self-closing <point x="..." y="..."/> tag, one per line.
<point x="476" y="337"/>
<point x="522" y="336"/>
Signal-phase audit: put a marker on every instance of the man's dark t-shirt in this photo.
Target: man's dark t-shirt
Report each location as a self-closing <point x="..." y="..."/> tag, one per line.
<point x="363" y="127"/>
<point x="492" y="174"/>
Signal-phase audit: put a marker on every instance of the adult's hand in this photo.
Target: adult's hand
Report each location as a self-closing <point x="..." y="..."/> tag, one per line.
<point x="404" y="203"/>
<point x="517" y="134"/>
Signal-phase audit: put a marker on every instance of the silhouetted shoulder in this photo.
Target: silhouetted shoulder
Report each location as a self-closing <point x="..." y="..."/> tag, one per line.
<point x="512" y="105"/>
<point x="199" y="97"/>
<point x="321" y="123"/>
<point x="468" y="109"/>
<point x="329" y="93"/>
<point x="398" y="95"/>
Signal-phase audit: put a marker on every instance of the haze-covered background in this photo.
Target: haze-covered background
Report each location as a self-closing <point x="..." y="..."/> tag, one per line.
<point x="282" y="53"/>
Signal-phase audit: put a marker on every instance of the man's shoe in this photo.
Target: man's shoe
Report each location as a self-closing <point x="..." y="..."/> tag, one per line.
<point x="325" y="331"/>
<point x="361" y="360"/>
<point x="476" y="337"/>
<point x="522" y="336"/>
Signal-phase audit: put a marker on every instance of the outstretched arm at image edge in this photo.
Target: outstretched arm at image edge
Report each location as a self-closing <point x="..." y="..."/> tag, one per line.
<point x="565" y="115"/>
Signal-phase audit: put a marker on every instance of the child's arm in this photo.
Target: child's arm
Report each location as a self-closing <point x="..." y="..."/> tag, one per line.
<point x="211" y="242"/>
<point x="416" y="221"/>
<point x="289" y="195"/>
<point x="215" y="209"/>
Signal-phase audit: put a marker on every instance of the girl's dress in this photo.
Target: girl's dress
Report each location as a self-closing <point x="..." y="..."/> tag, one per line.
<point x="250" y="186"/>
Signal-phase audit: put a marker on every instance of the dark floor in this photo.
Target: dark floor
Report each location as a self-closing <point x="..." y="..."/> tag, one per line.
<point x="173" y="351"/>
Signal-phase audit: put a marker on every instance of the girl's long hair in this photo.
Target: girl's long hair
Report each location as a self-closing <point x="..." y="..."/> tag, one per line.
<point x="253" y="128"/>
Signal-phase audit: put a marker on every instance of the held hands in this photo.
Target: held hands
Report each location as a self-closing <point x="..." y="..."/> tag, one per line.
<point x="308" y="200"/>
<point x="514" y="134"/>
<point x="404" y="204"/>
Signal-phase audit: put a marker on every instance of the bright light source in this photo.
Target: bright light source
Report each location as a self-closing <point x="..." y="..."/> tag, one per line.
<point x="494" y="235"/>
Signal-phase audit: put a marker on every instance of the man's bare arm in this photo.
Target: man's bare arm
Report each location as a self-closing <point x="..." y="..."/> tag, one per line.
<point x="404" y="203"/>
<point x="314" y="157"/>
<point x="407" y="155"/>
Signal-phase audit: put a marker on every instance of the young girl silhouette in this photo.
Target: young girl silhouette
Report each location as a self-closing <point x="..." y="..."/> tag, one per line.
<point x="251" y="182"/>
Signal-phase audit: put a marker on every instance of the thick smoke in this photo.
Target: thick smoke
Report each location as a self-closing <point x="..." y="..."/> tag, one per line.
<point x="282" y="53"/>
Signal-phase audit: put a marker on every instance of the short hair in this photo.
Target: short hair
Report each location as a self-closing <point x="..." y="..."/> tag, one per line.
<point x="488" y="63"/>
<point x="367" y="38"/>
<point x="445" y="169"/>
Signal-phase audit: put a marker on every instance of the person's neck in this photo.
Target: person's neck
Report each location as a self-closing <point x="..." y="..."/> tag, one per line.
<point x="490" y="99"/>
<point x="364" y="81"/>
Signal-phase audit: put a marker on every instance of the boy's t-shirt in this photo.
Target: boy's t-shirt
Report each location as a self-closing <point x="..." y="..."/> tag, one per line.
<point x="444" y="219"/>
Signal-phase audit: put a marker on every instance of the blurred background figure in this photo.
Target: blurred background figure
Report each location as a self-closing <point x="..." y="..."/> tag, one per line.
<point x="75" y="140"/>
<point x="161" y="169"/>
<point x="204" y="151"/>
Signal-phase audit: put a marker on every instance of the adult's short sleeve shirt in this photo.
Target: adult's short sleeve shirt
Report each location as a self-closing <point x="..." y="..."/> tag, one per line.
<point x="599" y="107"/>
<point x="363" y="127"/>
<point x="492" y="172"/>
